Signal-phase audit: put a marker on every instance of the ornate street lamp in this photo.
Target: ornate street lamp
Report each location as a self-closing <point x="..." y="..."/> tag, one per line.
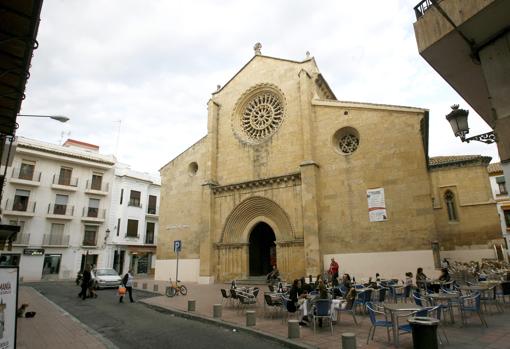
<point x="60" y="118"/>
<point x="458" y="119"/>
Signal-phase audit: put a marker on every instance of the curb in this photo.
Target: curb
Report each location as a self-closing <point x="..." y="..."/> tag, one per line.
<point x="107" y="343"/>
<point x="231" y="326"/>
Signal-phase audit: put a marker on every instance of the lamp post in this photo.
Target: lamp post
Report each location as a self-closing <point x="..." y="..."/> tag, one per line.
<point x="458" y="119"/>
<point x="60" y="118"/>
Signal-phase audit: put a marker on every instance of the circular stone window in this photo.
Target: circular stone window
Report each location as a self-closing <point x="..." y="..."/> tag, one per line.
<point x="259" y="114"/>
<point x="193" y="168"/>
<point x="346" y="140"/>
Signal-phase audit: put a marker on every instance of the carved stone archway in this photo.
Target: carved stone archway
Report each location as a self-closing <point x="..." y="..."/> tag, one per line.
<point x="233" y="262"/>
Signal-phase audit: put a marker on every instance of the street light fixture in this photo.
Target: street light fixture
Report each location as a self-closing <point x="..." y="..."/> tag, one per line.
<point x="60" y="118"/>
<point x="458" y="119"/>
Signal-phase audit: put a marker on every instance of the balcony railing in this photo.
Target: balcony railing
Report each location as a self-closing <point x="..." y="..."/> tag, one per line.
<point x="59" y="209"/>
<point x="149" y="239"/>
<point x="22" y="239"/>
<point x="27" y="176"/>
<point x="97" y="186"/>
<point x="20" y="206"/>
<point x="134" y="203"/>
<point x="423" y="6"/>
<point x="66" y="181"/>
<point x="55" y="240"/>
<point x="151" y="210"/>
<point x="93" y="212"/>
<point x="90" y="241"/>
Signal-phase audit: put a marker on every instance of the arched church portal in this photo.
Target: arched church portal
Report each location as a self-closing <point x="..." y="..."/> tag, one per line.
<point x="262" y="249"/>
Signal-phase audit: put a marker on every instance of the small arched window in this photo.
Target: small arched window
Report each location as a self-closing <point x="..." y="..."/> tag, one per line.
<point x="449" y="199"/>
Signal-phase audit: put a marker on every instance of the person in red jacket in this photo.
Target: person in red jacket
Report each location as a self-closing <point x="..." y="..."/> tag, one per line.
<point x="333" y="271"/>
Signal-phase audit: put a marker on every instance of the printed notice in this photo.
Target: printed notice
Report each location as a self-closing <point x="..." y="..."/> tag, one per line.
<point x="376" y="205"/>
<point x="8" y="303"/>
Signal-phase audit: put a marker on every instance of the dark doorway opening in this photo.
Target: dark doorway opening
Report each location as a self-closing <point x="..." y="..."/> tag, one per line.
<point x="262" y="249"/>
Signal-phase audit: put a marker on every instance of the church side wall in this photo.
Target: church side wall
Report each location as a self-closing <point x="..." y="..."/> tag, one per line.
<point x="180" y="212"/>
<point x="477" y="226"/>
<point x="390" y="156"/>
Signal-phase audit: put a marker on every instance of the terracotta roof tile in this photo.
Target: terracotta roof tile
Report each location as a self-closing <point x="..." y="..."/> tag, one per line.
<point x="495" y="168"/>
<point x="451" y="160"/>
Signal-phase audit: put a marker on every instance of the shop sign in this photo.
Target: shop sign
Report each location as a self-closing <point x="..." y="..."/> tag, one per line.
<point x="33" y="251"/>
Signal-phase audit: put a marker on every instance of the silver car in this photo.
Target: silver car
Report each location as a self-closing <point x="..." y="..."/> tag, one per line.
<point x="106" y="278"/>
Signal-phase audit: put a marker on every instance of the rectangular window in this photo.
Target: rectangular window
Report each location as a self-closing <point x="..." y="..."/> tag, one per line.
<point x="90" y="235"/>
<point x="153" y="199"/>
<point x="132" y="228"/>
<point x="60" y="206"/>
<point x="9" y="259"/>
<point x="121" y="195"/>
<point x="134" y="198"/>
<point x="56" y="234"/>
<point x="21" y="200"/>
<point x="501" y="185"/>
<point x="97" y="181"/>
<point x="26" y="170"/>
<point x="20" y="224"/>
<point x="506" y="214"/>
<point x="93" y="208"/>
<point x="64" y="177"/>
<point x="149" y="233"/>
<point x="118" y="227"/>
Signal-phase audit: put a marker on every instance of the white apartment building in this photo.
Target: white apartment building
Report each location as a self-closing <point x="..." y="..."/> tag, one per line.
<point x="133" y="221"/>
<point x="500" y="193"/>
<point x="60" y="198"/>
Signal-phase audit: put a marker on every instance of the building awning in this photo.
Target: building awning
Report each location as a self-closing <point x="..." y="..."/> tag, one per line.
<point x="141" y="249"/>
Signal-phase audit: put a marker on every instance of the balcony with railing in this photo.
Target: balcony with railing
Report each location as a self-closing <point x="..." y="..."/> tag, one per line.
<point x="135" y="203"/>
<point x="150" y="239"/>
<point x="22" y="239"/>
<point x="96" y="188"/>
<point x="59" y="211"/>
<point x="93" y="214"/>
<point x="152" y="212"/>
<point x="89" y="240"/>
<point x="30" y="178"/>
<point x="64" y="183"/>
<point x="52" y="240"/>
<point x="16" y="207"/>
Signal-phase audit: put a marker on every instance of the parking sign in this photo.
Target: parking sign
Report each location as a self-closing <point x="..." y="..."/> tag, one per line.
<point x="177" y="245"/>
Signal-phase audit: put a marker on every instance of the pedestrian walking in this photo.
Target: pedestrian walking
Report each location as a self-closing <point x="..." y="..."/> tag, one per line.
<point x="85" y="282"/>
<point x="127" y="281"/>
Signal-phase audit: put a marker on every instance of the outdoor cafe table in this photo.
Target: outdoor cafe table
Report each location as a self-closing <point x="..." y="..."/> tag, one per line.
<point x="448" y="297"/>
<point x="479" y="288"/>
<point x="394" y="309"/>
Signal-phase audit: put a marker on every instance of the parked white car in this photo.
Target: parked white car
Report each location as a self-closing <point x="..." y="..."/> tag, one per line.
<point x="106" y="278"/>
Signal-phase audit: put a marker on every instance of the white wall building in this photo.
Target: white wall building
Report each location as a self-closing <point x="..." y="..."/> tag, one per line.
<point x="60" y="197"/>
<point x="500" y="193"/>
<point x="133" y="221"/>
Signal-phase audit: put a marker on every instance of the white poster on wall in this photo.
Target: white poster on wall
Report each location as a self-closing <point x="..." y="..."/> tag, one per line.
<point x="376" y="205"/>
<point x="8" y="306"/>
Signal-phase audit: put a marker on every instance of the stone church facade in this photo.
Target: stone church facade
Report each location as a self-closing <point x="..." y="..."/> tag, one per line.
<point x="285" y="176"/>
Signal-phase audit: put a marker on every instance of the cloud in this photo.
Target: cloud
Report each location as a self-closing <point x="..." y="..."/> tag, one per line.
<point x="154" y="65"/>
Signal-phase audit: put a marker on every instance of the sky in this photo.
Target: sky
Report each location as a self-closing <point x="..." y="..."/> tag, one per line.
<point x="134" y="77"/>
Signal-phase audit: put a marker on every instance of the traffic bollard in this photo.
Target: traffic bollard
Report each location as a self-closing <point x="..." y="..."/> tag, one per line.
<point x="250" y="318"/>
<point x="217" y="311"/>
<point x="348" y="340"/>
<point x="293" y="330"/>
<point x="191" y="304"/>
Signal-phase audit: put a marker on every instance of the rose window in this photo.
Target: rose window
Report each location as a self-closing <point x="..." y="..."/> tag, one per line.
<point x="262" y="116"/>
<point x="348" y="143"/>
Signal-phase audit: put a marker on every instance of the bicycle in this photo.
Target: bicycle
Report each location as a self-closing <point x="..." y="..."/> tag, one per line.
<point x="174" y="290"/>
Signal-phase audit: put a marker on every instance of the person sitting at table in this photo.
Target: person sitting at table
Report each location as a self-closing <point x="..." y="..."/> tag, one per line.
<point x="346" y="281"/>
<point x="305" y="287"/>
<point x="445" y="276"/>
<point x="319" y="278"/>
<point x="295" y="301"/>
<point x="233" y="285"/>
<point x="421" y="278"/>
<point x="274" y="276"/>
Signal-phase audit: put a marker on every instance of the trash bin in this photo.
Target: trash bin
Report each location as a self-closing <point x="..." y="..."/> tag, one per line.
<point x="424" y="332"/>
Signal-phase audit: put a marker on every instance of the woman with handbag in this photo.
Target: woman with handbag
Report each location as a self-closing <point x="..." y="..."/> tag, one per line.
<point x="127" y="282"/>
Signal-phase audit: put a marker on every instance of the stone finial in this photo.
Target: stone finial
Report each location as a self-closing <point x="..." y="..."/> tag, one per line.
<point x="218" y="87"/>
<point x="307" y="54"/>
<point x="257" y="48"/>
